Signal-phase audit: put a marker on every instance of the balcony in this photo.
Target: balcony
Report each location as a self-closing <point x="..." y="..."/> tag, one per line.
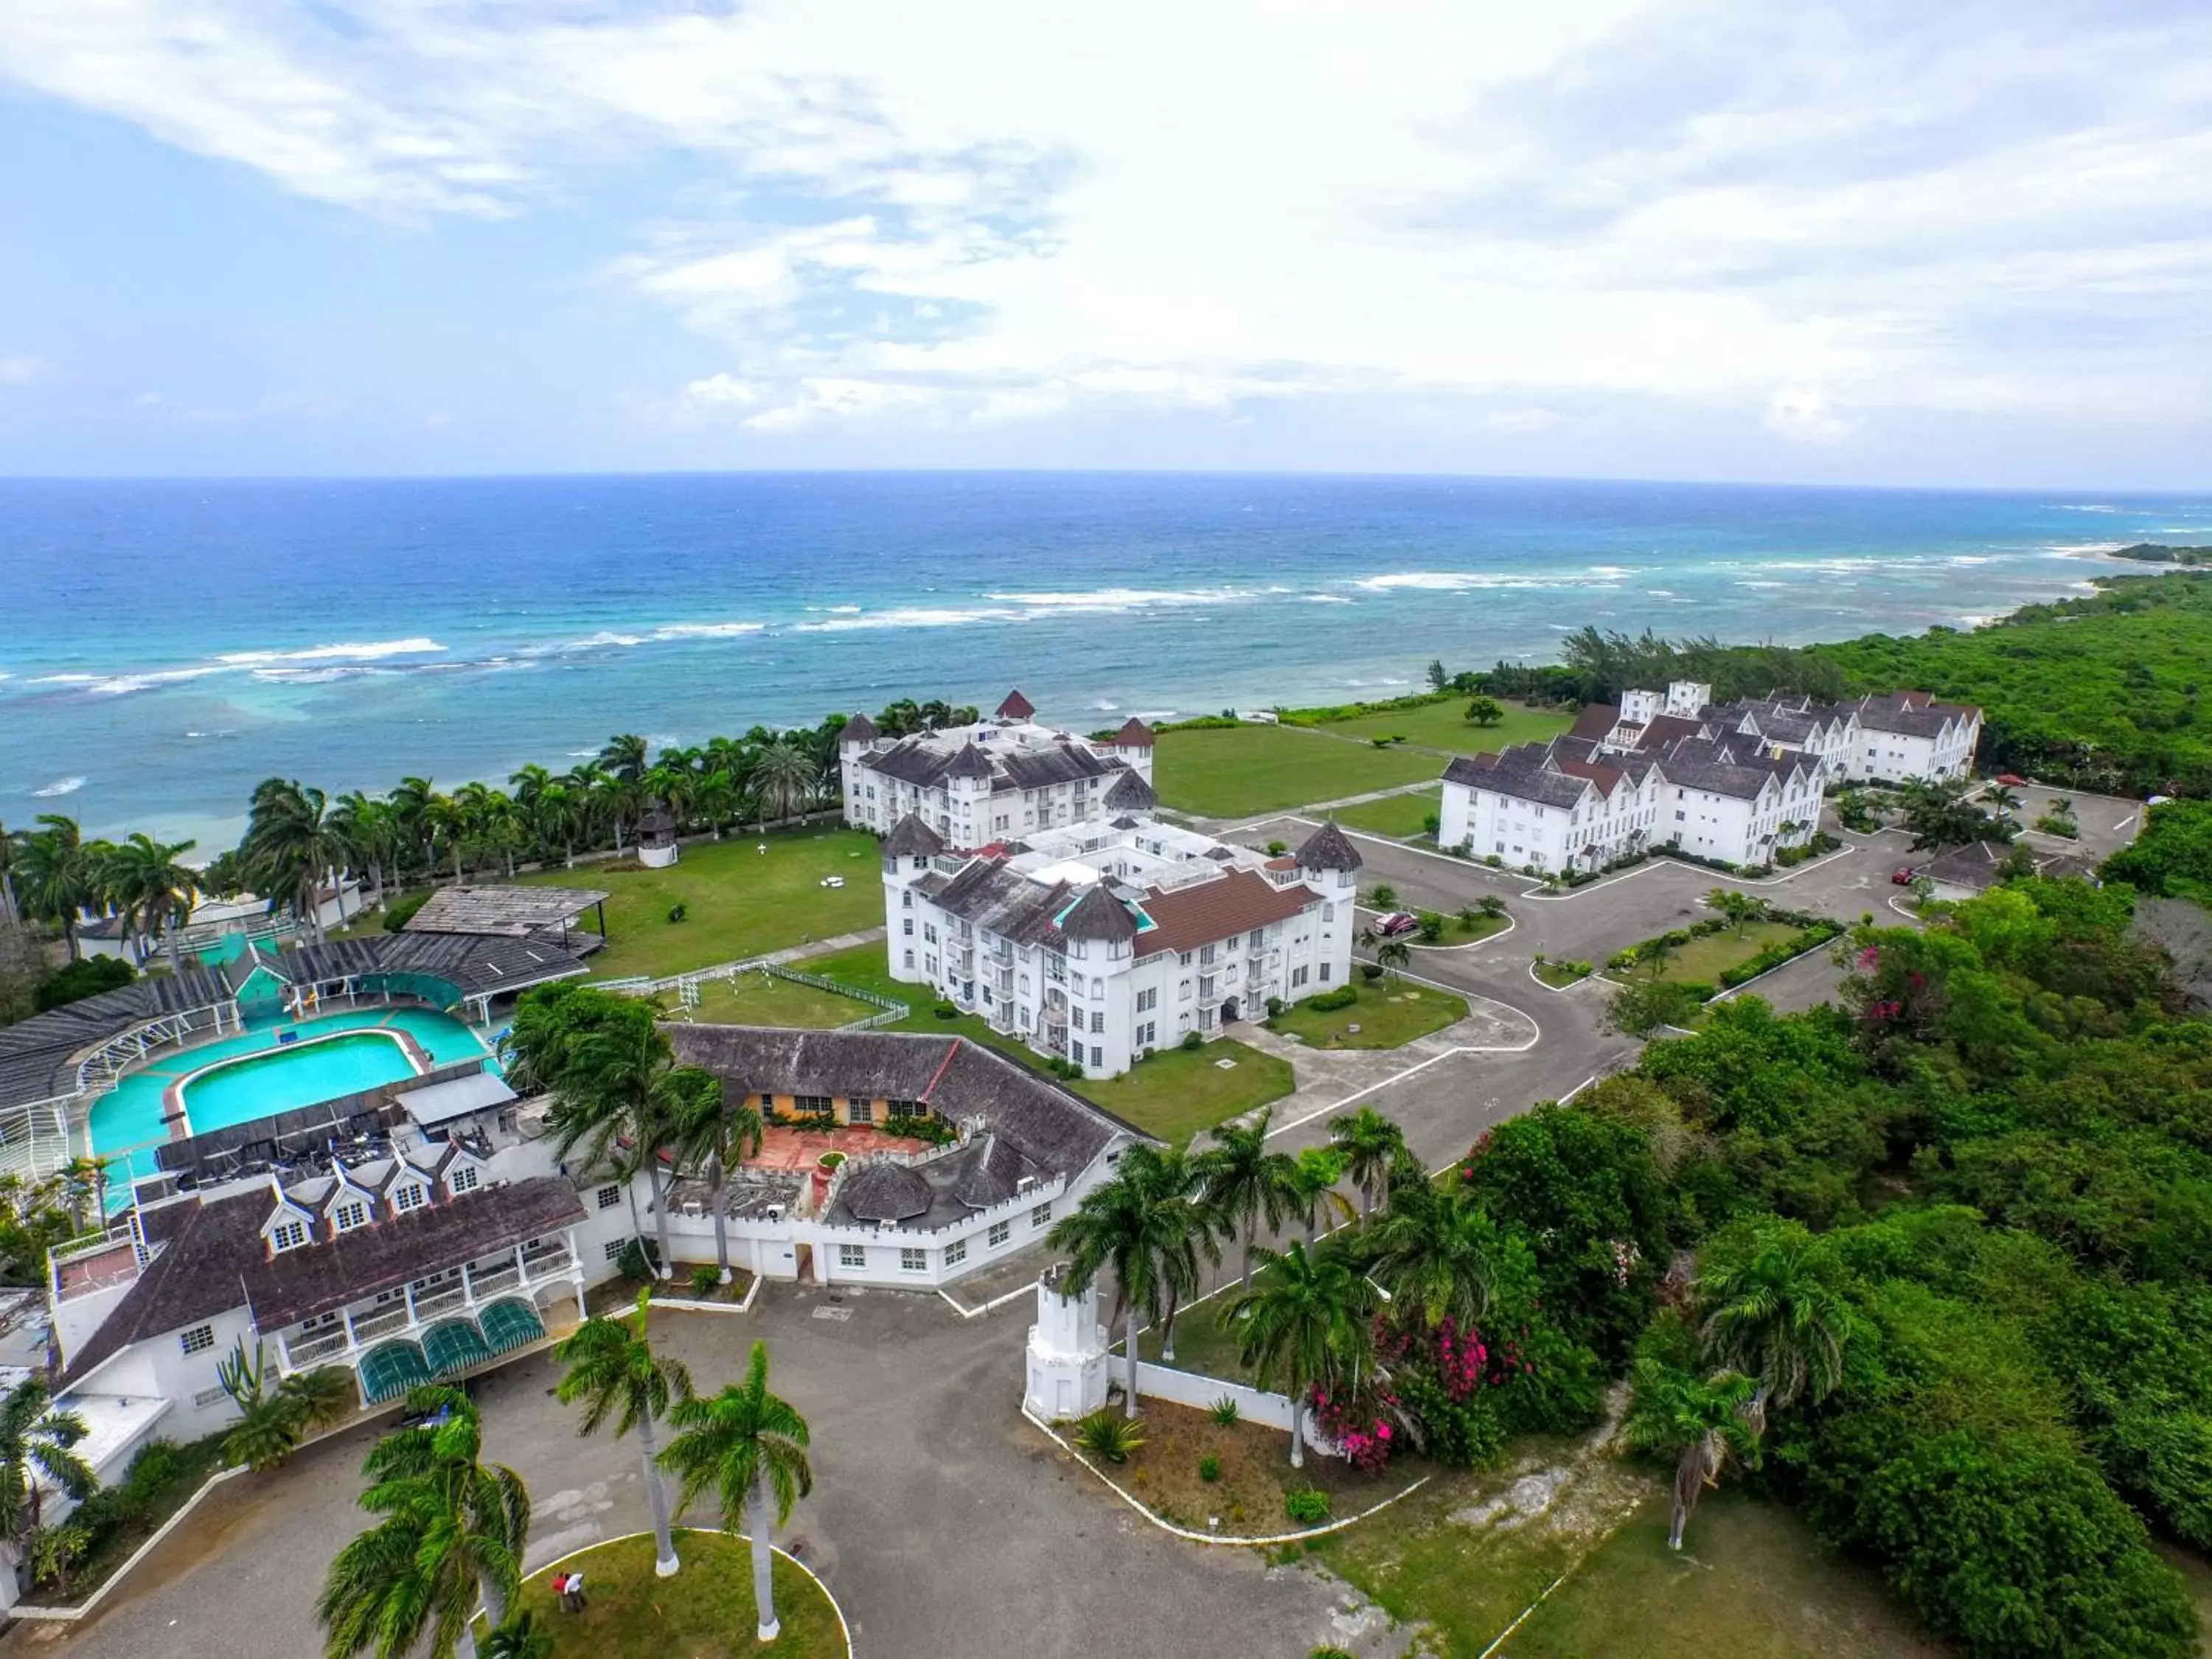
<point x="409" y="1317"/>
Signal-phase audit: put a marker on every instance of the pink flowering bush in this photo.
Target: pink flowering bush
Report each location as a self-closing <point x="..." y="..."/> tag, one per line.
<point x="1360" y="1423"/>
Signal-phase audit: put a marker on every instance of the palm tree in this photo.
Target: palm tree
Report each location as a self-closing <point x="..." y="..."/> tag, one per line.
<point x="1653" y="953"/>
<point x="1443" y="1255"/>
<point x="1776" y="1316"/>
<point x="1369" y="1145"/>
<point x="625" y="756"/>
<point x="292" y="845"/>
<point x="1305" y="1321"/>
<point x="1393" y="954"/>
<point x="450" y="821"/>
<point x="751" y="1447"/>
<point x="57" y="873"/>
<point x="35" y="1440"/>
<point x="715" y="798"/>
<point x="785" y="778"/>
<point x="1147" y="1230"/>
<point x="1243" y="1181"/>
<point x="154" y="893"/>
<point x="717" y="1133"/>
<point x="1740" y="909"/>
<point x="1701" y="1423"/>
<point x="453" y="1532"/>
<point x="1319" y="1170"/>
<point x="11" y="854"/>
<point x="613" y="1370"/>
<point x="520" y="1638"/>
<point x="411" y="804"/>
<point x="621" y="1082"/>
<point x="371" y="829"/>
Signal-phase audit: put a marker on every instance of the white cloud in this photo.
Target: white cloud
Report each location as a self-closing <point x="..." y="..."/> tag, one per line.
<point x="20" y="370"/>
<point x="985" y="211"/>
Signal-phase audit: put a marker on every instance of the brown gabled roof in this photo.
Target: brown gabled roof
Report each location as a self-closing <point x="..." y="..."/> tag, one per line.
<point x="1135" y="735"/>
<point x="1016" y="707"/>
<point x="1606" y="778"/>
<point x="1329" y="849"/>
<point x="1595" y="721"/>
<point x="1210" y="911"/>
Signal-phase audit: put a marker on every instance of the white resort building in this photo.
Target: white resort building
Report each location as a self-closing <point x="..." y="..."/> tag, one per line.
<point x="1103" y="940"/>
<point x="998" y="779"/>
<point x="1896" y="738"/>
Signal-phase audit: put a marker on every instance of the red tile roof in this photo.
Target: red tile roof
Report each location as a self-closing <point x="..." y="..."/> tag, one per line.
<point x="1211" y="911"/>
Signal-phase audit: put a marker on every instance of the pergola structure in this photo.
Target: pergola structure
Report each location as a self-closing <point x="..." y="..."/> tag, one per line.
<point x="546" y="913"/>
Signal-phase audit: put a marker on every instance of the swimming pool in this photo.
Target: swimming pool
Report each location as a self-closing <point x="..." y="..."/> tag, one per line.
<point x="269" y="1068"/>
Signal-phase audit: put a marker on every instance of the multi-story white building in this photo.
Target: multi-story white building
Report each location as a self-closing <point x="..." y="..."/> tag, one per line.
<point x="1098" y="941"/>
<point x="1907" y="736"/>
<point x="1896" y="737"/>
<point x="997" y="779"/>
<point x="1572" y="803"/>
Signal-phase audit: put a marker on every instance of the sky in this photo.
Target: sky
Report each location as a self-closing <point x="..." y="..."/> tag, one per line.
<point x="1879" y="242"/>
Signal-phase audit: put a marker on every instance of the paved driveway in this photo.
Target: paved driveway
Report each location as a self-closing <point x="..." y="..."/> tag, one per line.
<point x="945" y="1524"/>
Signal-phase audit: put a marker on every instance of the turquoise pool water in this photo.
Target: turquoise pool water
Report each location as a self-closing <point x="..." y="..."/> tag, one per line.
<point x="265" y="1076"/>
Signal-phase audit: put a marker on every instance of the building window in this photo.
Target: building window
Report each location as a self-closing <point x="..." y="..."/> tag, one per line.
<point x="1098" y="1057"/>
<point x="1145" y="1037"/>
<point x="999" y="1235"/>
<point x="349" y="1215"/>
<point x="614" y="1248"/>
<point x="465" y="1178"/>
<point x="1075" y="1051"/>
<point x="908" y="925"/>
<point x="288" y="1236"/>
<point x="851" y="1256"/>
<point x="815" y="1105"/>
<point x="1148" y="999"/>
<point x="1324" y="973"/>
<point x="861" y="1111"/>
<point x="198" y="1339"/>
<point x="1040" y="1216"/>
<point x="913" y="1261"/>
<point x="409" y="1197"/>
<point x="609" y="1197"/>
<point x="956" y="1253"/>
<point x="1098" y="1019"/>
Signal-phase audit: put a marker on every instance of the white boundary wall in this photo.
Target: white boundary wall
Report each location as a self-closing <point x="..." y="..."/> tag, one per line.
<point x="1189" y="1389"/>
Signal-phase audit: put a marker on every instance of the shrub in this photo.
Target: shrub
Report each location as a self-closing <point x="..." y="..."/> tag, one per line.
<point x="1381" y="742"/>
<point x="1431" y="927"/>
<point x="830" y="1160"/>
<point x="706" y="1279"/>
<point x="1209" y="1468"/>
<point x="1224" y="1411"/>
<point x="1493" y="861"/>
<point x="1328" y="1002"/>
<point x="1329" y="1653"/>
<point x="2051" y="824"/>
<point x="1370" y="971"/>
<point x="946" y="1011"/>
<point x="401" y="911"/>
<point x="1430" y="823"/>
<point x="80" y="980"/>
<point x="1490" y="905"/>
<point x="1277" y="848"/>
<point x="1108" y="1436"/>
<point x="1275" y="1006"/>
<point x="1382" y="896"/>
<point x="1307" y="1508"/>
<point x="1067" y="1070"/>
<point x="678" y="910"/>
<point x="635" y="1260"/>
<point x="1192" y="1042"/>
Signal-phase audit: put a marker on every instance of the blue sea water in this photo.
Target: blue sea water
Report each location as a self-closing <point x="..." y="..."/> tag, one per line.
<point x="169" y="644"/>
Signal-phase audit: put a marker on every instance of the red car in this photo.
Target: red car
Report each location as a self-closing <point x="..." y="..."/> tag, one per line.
<point x="2011" y="780"/>
<point x="1397" y="922"/>
<point x="1904" y="875"/>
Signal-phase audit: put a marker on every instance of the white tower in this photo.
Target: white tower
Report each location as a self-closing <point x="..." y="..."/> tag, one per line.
<point x="1068" y="1350"/>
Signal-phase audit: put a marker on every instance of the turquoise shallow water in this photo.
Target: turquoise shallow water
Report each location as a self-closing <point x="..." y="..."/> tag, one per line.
<point x="349" y="634"/>
<point x="262" y="1076"/>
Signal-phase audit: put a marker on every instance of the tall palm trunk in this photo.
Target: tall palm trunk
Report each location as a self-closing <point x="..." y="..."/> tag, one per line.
<point x="722" y="1224"/>
<point x="1132" y="1397"/>
<point x="175" y="945"/>
<point x="1298" y="1428"/>
<point x="1251" y="1227"/>
<point x="660" y="1213"/>
<point x="665" y="1563"/>
<point x="1167" y="1332"/>
<point x="763" y="1564"/>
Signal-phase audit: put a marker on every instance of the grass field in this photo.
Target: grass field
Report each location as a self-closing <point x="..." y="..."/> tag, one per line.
<point x="738" y="901"/>
<point x="1445" y="725"/>
<point x="1702" y="961"/>
<point x="763" y="1000"/>
<point x="1237" y="771"/>
<point x="706" y="1612"/>
<point x="1173" y="1095"/>
<point x="1388" y="1015"/>
<point x="1750" y="1582"/>
<point x="1394" y="815"/>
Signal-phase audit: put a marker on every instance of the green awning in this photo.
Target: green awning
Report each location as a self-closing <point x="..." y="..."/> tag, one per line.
<point x="390" y="1368"/>
<point x="453" y="1346"/>
<point x="510" y="1324"/>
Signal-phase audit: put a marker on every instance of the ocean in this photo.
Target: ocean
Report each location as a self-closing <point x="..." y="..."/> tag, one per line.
<point x="169" y="644"/>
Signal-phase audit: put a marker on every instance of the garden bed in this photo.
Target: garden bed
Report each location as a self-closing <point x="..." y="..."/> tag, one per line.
<point x="1388" y="1015"/>
<point x="1246" y="1499"/>
<point x="162" y="1478"/>
<point x="1560" y="975"/>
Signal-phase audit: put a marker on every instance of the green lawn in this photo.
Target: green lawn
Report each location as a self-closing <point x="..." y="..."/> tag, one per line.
<point x="1393" y="815"/>
<point x="706" y="1612"/>
<point x="1388" y="1013"/>
<point x="738" y="902"/>
<point x="1445" y="725"/>
<point x="1173" y="1095"/>
<point x="1237" y="771"/>
<point x="1752" y="1583"/>
<point x="1702" y="961"/>
<point x="763" y="1000"/>
<point x="1206" y="1343"/>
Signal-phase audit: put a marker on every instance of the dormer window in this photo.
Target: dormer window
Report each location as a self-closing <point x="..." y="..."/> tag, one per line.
<point x="349" y="1215"/>
<point x="288" y="1235"/>
<point x="411" y="1195"/>
<point x="465" y="1178"/>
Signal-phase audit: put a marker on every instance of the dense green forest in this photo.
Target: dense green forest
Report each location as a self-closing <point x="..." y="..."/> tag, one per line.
<point x="2100" y="693"/>
<point x="1980" y="1193"/>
